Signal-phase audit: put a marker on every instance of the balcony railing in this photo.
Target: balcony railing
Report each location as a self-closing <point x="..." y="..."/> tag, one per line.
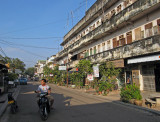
<point x="128" y="14"/>
<point x="137" y="48"/>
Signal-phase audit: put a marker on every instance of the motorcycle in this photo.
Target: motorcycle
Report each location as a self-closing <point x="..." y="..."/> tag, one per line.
<point x="44" y="107"/>
<point x="12" y="102"/>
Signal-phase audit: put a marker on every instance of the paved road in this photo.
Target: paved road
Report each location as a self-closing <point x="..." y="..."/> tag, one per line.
<point x="73" y="106"/>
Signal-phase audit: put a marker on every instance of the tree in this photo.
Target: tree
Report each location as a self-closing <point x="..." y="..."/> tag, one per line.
<point x="15" y="63"/>
<point x="30" y="71"/>
<point x="84" y="68"/>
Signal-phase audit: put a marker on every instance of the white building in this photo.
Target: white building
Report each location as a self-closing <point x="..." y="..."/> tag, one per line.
<point x="50" y="62"/>
<point x="39" y="67"/>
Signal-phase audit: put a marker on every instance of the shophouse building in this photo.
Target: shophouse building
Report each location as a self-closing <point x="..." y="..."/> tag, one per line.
<point x="125" y="32"/>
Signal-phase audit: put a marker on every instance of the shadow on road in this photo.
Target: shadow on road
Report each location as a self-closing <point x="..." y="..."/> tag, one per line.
<point x="70" y="108"/>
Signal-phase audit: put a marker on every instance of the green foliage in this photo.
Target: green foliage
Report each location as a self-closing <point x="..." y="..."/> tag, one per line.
<point x="129" y="92"/>
<point x="84" y="67"/>
<point x="108" y="70"/>
<point x="30" y="71"/>
<point x="108" y="73"/>
<point x="15" y="63"/>
<point x="12" y="76"/>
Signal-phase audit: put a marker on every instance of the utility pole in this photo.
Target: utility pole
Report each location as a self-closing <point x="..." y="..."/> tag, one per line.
<point x="86" y="5"/>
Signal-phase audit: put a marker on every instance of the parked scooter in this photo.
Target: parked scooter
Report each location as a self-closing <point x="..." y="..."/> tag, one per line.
<point x="12" y="102"/>
<point x="44" y="107"/>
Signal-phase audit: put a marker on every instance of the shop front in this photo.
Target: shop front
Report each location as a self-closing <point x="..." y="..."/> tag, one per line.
<point x="144" y="72"/>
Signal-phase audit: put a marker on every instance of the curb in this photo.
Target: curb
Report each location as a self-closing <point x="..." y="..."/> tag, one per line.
<point x="124" y="104"/>
<point x="5" y="104"/>
<point x="139" y="107"/>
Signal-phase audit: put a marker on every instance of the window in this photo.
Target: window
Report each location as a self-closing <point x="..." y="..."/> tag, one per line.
<point x="91" y="51"/>
<point x="99" y="48"/>
<point x="137" y="34"/>
<point x="122" y="40"/>
<point x="93" y="27"/>
<point x="129" y="37"/>
<point x="103" y="46"/>
<point x="155" y="30"/>
<point x="158" y="23"/>
<point x="114" y="42"/>
<point x="119" y="8"/>
<point x="108" y="45"/>
<point x="95" y="50"/>
<point x="148" y="29"/>
<point x="142" y="34"/>
<point x="113" y="12"/>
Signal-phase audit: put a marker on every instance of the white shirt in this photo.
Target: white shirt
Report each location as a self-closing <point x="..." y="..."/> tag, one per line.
<point x="43" y="89"/>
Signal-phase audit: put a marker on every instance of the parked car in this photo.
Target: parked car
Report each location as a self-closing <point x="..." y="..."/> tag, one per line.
<point x="23" y="81"/>
<point x="16" y="82"/>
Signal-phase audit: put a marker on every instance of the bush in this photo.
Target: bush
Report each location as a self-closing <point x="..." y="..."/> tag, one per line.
<point x="129" y="92"/>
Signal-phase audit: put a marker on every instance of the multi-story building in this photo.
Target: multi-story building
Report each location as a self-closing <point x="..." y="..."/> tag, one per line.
<point x="125" y="32"/>
<point x="39" y="67"/>
<point x="50" y="62"/>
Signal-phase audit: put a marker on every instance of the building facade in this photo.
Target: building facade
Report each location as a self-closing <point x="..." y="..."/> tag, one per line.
<point x="39" y="68"/>
<point x="125" y="32"/>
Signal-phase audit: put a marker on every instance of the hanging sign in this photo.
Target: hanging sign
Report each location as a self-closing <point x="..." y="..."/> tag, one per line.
<point x="96" y="71"/>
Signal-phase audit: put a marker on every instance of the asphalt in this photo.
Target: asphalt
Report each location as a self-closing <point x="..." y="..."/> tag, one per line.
<point x="73" y="105"/>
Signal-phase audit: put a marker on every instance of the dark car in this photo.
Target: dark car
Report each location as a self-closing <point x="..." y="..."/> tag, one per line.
<point x="23" y="81"/>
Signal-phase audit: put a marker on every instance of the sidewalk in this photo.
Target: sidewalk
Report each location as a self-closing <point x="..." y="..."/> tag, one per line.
<point x="4" y="98"/>
<point x="114" y="96"/>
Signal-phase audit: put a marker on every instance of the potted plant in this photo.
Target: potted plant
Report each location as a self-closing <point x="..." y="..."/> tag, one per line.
<point x="131" y="93"/>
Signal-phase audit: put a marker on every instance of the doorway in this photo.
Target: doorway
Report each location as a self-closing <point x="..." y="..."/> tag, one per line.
<point x="157" y="78"/>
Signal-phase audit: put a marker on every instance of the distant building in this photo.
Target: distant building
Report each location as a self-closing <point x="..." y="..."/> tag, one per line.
<point x="125" y="32"/>
<point x="50" y="62"/>
<point x="39" y="67"/>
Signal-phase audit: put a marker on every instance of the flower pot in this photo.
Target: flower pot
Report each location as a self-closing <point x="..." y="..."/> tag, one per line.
<point x="138" y="102"/>
<point x="100" y="92"/>
<point x="73" y="86"/>
<point x="132" y="101"/>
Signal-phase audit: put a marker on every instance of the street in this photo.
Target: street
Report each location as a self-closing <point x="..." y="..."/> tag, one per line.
<point x="73" y="106"/>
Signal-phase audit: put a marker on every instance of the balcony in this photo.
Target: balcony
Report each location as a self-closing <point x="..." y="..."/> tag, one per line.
<point x="128" y="15"/>
<point x="137" y="48"/>
<point x="91" y="15"/>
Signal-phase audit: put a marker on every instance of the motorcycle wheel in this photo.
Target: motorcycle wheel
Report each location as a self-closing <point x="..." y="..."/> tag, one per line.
<point x="43" y="113"/>
<point x="13" y="108"/>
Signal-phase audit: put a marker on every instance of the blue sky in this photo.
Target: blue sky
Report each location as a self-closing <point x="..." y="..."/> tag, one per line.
<point x="38" y="23"/>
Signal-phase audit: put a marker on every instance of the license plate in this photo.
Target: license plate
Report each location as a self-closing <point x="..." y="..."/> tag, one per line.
<point x="10" y="102"/>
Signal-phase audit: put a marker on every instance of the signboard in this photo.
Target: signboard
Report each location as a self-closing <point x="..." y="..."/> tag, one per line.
<point x="90" y="77"/>
<point x="10" y="82"/>
<point x="118" y="63"/>
<point x="96" y="71"/>
<point x="62" y="68"/>
<point x="18" y="71"/>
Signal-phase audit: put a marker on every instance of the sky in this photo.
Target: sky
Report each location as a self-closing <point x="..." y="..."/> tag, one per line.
<point x="32" y="30"/>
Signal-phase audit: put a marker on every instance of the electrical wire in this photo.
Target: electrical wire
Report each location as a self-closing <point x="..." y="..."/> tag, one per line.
<point x="31" y="38"/>
<point x="11" y="43"/>
<point x="27" y="51"/>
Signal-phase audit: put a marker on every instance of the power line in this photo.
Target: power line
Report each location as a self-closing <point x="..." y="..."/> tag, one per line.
<point x="11" y="43"/>
<point x="3" y="51"/>
<point x="26" y="51"/>
<point x="31" y="38"/>
<point x="38" y="26"/>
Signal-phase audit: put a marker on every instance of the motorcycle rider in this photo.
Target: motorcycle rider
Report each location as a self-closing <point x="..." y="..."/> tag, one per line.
<point x="44" y="88"/>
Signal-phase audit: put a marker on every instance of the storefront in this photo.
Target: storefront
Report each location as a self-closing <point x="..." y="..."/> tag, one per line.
<point x="144" y="72"/>
<point x="3" y="84"/>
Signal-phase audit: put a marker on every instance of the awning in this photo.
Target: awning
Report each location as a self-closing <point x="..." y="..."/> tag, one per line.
<point x="144" y="59"/>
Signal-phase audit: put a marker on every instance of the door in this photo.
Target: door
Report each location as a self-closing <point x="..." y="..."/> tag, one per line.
<point x="157" y="79"/>
<point x="135" y="77"/>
